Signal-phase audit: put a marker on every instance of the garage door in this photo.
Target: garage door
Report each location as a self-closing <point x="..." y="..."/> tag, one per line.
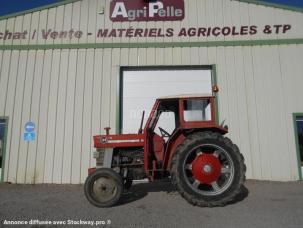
<point x="140" y="88"/>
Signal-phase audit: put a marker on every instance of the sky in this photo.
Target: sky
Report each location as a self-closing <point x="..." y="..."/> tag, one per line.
<point x="298" y="3"/>
<point x="14" y="6"/>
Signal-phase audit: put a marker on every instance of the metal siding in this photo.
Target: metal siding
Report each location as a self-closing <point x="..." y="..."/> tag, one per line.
<point x="92" y="20"/>
<point x="241" y="99"/>
<point x="42" y="25"/>
<point x="67" y="21"/>
<point x="141" y="57"/>
<point x="251" y="80"/>
<point x="243" y="12"/>
<point x="210" y="18"/>
<point x="261" y="69"/>
<point x="50" y="24"/>
<point x="114" y="88"/>
<point x="26" y="116"/>
<point x="12" y="158"/>
<point x="76" y="18"/>
<point x="17" y="28"/>
<point x="71" y="95"/>
<point x="90" y="75"/>
<point x="69" y="116"/>
<point x="59" y="20"/>
<point x="26" y="26"/>
<point x="19" y="160"/>
<point x="219" y="59"/>
<point x="84" y="21"/>
<point x="291" y="81"/>
<point x="106" y="81"/>
<point x="44" y="140"/>
<point x="94" y="115"/>
<point x="2" y="28"/>
<point x="78" y="116"/>
<point x="277" y="127"/>
<point x="97" y="91"/>
<point x="46" y="115"/>
<point x="35" y="18"/>
<point x="248" y="73"/>
<point x="51" y="116"/>
<point x="33" y="170"/>
<point x="192" y="14"/>
<point x="60" y="121"/>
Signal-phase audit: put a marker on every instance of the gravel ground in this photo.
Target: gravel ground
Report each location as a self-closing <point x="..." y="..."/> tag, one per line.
<point x="261" y="204"/>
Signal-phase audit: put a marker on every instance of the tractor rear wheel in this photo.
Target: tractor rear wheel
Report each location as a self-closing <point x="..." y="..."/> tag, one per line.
<point x="208" y="169"/>
<point x="103" y="188"/>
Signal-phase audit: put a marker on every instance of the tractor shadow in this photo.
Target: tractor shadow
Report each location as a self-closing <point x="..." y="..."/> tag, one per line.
<point x="140" y="190"/>
<point x="244" y="192"/>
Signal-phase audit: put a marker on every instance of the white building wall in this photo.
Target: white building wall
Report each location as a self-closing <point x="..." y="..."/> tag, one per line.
<point x="72" y="94"/>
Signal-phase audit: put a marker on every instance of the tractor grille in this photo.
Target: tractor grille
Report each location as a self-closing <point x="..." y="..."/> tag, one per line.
<point x="99" y="155"/>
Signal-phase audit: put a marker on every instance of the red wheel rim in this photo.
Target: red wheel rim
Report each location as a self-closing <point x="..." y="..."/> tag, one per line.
<point x="209" y="169"/>
<point x="206" y="168"/>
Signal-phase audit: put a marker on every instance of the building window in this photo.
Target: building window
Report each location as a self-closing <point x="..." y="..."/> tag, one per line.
<point x="299" y="123"/>
<point x="3" y="126"/>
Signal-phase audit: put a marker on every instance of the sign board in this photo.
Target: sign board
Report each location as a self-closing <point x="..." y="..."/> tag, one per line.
<point x="29" y="127"/>
<point x="143" y="10"/>
<point x="29" y="132"/>
<point x="29" y="136"/>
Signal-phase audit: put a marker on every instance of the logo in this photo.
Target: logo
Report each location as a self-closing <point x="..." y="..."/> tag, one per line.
<point x="143" y="10"/>
<point x="103" y="140"/>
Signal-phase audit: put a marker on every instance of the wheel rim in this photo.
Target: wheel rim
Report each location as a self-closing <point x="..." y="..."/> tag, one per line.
<point x="104" y="189"/>
<point x="208" y="169"/>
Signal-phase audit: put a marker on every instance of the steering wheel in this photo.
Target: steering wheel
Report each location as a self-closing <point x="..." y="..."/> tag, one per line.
<point x="164" y="133"/>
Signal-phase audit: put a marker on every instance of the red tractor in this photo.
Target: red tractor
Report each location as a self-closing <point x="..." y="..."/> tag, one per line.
<point x="206" y="168"/>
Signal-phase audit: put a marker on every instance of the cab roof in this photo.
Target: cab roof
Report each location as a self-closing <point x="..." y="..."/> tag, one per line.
<point x="182" y="96"/>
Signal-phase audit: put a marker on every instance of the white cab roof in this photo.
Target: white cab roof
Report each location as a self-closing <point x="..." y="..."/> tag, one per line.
<point x="186" y="96"/>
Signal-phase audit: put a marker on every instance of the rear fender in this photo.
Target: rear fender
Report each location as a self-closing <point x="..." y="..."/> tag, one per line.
<point x="178" y="137"/>
<point x="175" y="140"/>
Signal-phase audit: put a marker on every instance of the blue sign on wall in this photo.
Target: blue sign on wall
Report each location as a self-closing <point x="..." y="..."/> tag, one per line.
<point x="29" y="136"/>
<point x="30" y="127"/>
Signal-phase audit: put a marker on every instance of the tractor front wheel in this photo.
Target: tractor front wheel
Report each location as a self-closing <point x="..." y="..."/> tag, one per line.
<point x="208" y="169"/>
<point x="103" y="188"/>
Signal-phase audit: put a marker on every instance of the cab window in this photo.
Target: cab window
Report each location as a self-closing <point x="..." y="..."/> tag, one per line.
<point x="197" y="110"/>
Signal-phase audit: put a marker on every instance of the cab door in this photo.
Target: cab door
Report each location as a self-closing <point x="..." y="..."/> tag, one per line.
<point x="164" y="128"/>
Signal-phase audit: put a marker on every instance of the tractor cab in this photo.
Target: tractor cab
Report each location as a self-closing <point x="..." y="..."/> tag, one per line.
<point x="171" y="118"/>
